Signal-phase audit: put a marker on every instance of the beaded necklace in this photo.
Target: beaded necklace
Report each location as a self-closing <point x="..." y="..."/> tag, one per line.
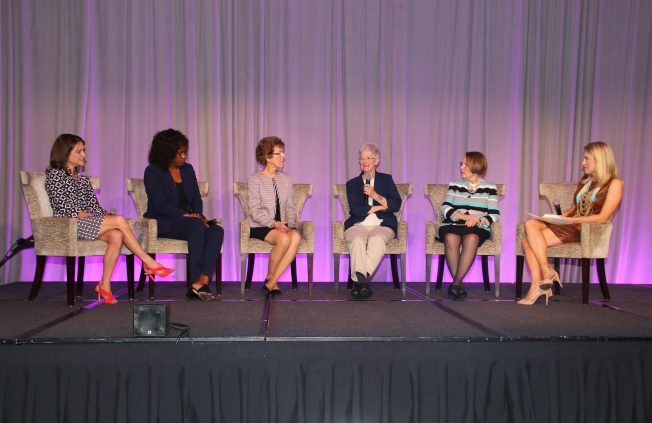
<point x="585" y="198"/>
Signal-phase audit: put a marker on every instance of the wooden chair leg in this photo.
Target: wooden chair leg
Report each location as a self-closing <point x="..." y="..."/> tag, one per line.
<point x="243" y="269"/>
<point x="218" y="275"/>
<point x="251" y="259"/>
<point x="403" y="274"/>
<point x="309" y="257"/>
<point x="81" y="262"/>
<point x="428" y="270"/>
<point x="188" y="280"/>
<point x="70" y="280"/>
<point x="485" y="273"/>
<point x="129" y="258"/>
<point x="394" y="261"/>
<point x="152" y="287"/>
<point x="38" y="277"/>
<point x="349" y="281"/>
<point x="440" y="271"/>
<point x="586" y="271"/>
<point x="141" y="278"/>
<point x="336" y="272"/>
<point x="556" y="262"/>
<point x="520" y="261"/>
<point x="497" y="275"/>
<point x="293" y="271"/>
<point x="602" y="277"/>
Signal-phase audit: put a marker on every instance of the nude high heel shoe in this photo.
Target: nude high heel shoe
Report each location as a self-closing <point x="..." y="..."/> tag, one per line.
<point x="548" y="282"/>
<point x="530" y="300"/>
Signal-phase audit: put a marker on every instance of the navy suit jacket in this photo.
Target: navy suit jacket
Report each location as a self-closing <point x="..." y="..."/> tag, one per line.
<point x="358" y="206"/>
<point x="163" y="197"/>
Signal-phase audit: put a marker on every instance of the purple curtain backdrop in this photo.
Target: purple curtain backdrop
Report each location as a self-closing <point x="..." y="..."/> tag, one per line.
<point x="527" y="82"/>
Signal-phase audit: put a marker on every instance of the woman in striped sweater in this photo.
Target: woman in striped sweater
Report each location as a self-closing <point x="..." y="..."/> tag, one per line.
<point x="469" y="209"/>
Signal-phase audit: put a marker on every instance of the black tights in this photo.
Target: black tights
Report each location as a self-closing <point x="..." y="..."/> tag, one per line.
<point x="460" y="263"/>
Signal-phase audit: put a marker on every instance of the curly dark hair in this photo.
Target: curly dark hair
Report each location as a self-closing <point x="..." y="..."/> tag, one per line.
<point x="165" y="146"/>
<point x="61" y="150"/>
<point x="265" y="148"/>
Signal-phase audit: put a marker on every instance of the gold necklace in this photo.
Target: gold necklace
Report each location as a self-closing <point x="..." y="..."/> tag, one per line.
<point x="585" y="206"/>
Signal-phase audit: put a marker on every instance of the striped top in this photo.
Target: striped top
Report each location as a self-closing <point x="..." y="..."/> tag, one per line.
<point x="483" y="203"/>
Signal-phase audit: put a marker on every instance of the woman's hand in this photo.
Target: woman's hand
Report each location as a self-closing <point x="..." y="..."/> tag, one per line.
<point x="375" y="209"/>
<point x="281" y="226"/>
<point x="197" y="216"/>
<point x="369" y="190"/>
<point x="472" y="221"/>
<point x="469" y="220"/>
<point x="83" y="214"/>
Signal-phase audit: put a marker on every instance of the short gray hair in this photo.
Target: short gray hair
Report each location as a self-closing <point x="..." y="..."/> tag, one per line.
<point x="372" y="148"/>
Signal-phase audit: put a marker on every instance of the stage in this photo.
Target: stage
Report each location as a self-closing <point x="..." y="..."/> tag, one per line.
<point x="327" y="357"/>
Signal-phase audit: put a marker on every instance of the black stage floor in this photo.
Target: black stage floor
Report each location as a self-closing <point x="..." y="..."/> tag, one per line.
<point x="329" y="358"/>
<point x="326" y="315"/>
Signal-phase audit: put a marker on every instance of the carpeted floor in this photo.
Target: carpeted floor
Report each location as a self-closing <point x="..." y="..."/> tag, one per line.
<point x="327" y="315"/>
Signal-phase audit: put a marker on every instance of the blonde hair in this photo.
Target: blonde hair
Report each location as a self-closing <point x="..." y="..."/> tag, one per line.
<point x="605" y="164"/>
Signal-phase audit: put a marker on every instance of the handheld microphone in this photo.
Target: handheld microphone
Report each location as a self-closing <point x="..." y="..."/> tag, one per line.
<point x="367" y="181"/>
<point x="557" y="207"/>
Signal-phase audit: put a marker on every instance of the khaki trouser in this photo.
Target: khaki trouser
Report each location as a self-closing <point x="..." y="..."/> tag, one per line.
<point x="367" y="245"/>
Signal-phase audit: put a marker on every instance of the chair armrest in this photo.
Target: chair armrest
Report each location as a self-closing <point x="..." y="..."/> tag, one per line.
<point x="55" y="236"/>
<point x="496" y="233"/>
<point x="432" y="231"/>
<point x="594" y="239"/>
<point x="338" y="230"/>
<point x="520" y="234"/>
<point x="307" y="230"/>
<point x="244" y="236"/>
<point x="401" y="235"/>
<point x="147" y="234"/>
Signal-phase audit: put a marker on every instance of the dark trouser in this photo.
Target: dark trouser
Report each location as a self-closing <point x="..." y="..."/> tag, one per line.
<point x="204" y="244"/>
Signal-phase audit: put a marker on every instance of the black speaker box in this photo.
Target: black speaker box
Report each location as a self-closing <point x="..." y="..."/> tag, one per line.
<point x="150" y="320"/>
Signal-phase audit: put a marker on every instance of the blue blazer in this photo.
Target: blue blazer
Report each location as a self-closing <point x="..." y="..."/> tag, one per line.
<point x="163" y="197"/>
<point x="383" y="185"/>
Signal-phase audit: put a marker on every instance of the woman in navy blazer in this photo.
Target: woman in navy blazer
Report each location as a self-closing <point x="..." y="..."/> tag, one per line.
<point x="373" y="200"/>
<point x="174" y="200"/>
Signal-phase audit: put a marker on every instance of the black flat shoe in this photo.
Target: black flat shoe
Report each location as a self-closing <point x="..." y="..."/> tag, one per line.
<point x="456" y="292"/>
<point x="355" y="290"/>
<point x="364" y="291"/>
<point x="195" y="294"/>
<point x="275" y="292"/>
<point x="191" y="294"/>
<point x="206" y="290"/>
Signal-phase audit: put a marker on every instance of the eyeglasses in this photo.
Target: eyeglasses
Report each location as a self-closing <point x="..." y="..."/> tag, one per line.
<point x="366" y="159"/>
<point x="463" y="165"/>
<point x="279" y="153"/>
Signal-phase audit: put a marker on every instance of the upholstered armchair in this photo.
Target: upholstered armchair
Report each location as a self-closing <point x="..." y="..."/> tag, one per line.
<point x="594" y="242"/>
<point x="153" y="244"/>
<point x="57" y="236"/>
<point x="249" y="247"/>
<point x="395" y="247"/>
<point x="491" y="247"/>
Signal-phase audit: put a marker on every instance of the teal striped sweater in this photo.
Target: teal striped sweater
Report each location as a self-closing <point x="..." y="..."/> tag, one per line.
<point x="483" y="203"/>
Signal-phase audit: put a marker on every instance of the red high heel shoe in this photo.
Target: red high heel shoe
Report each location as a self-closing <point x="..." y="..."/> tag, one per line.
<point x="161" y="271"/>
<point x="108" y="297"/>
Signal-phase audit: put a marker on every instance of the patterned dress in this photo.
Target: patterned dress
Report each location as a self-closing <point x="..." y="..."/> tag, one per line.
<point x="571" y="233"/>
<point x="73" y="193"/>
